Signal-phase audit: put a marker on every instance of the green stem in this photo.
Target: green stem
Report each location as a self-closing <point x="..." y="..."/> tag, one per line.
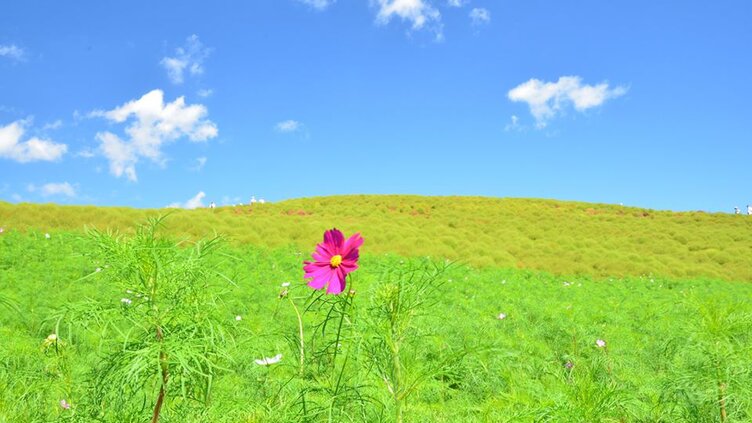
<point x="300" y="334"/>
<point x="341" y="321"/>
<point x="397" y="385"/>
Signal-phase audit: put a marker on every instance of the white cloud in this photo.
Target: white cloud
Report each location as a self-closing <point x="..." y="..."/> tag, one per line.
<point x="457" y="3"/>
<point x="203" y="93"/>
<point x="86" y="153"/>
<point x="419" y="12"/>
<point x="480" y="16"/>
<point x="33" y="149"/>
<point x="318" y="4"/>
<point x="11" y="51"/>
<point x="547" y="99"/>
<point x="189" y="57"/>
<point x="61" y="188"/>
<point x="53" y="125"/>
<point x="288" y="126"/>
<point x="153" y="124"/>
<point x="514" y="124"/>
<point x="196" y="202"/>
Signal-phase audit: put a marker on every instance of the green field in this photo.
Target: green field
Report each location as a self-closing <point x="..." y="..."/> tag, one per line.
<point x="563" y="238"/>
<point x="666" y="291"/>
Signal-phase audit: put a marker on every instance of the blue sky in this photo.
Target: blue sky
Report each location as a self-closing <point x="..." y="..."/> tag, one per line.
<point x="147" y="104"/>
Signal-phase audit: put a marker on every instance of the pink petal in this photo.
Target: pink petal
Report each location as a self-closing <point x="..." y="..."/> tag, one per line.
<point x="322" y="256"/>
<point x="336" y="284"/>
<point x="317" y="271"/>
<point x="348" y="266"/>
<point x="334" y="238"/>
<point x="352" y="244"/>
<point x="321" y="279"/>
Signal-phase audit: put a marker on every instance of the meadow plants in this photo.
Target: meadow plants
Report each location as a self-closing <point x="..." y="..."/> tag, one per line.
<point x="245" y="339"/>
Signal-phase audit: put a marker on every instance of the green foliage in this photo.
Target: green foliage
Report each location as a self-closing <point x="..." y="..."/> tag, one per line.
<point x="559" y="237"/>
<point x="678" y="349"/>
<point x="161" y="340"/>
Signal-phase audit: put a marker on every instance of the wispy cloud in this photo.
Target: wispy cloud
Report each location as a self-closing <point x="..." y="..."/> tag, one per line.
<point x="52" y="125"/>
<point x="194" y="203"/>
<point x="546" y="100"/>
<point x="54" y="188"/>
<point x="188" y="58"/>
<point x="318" y="4"/>
<point x="199" y="165"/>
<point x="419" y="13"/>
<point x="480" y="16"/>
<point x="12" y="51"/>
<point x="33" y="149"/>
<point x="514" y="124"/>
<point x="203" y="93"/>
<point x="457" y="3"/>
<point x="152" y="124"/>
<point x="288" y="126"/>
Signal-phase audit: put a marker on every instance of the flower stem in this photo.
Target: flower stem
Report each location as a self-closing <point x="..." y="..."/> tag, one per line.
<point x="341" y="321"/>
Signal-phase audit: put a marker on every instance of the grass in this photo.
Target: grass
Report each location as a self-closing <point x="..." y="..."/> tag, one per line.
<point x="562" y="238"/>
<point x="678" y="349"/>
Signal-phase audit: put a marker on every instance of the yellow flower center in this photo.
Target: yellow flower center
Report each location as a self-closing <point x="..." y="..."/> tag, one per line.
<point x="336" y="261"/>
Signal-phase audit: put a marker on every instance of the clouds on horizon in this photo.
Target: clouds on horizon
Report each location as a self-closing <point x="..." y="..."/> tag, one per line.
<point x="152" y="124"/>
<point x="53" y="189"/>
<point x="195" y="202"/>
<point x="33" y="149"/>
<point x="547" y="100"/>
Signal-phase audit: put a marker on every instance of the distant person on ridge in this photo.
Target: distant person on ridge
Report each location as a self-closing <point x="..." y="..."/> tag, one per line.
<point x="737" y="211"/>
<point x="212" y="205"/>
<point x="749" y="210"/>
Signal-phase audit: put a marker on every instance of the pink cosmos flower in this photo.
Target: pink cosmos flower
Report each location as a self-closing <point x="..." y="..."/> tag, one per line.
<point x="600" y="343"/>
<point x="334" y="259"/>
<point x="64" y="404"/>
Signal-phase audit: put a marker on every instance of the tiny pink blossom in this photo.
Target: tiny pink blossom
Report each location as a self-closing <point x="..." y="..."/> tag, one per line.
<point x="64" y="404"/>
<point x="600" y="343"/>
<point x="333" y="260"/>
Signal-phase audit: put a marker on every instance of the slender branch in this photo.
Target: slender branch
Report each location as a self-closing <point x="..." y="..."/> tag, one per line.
<point x="165" y="378"/>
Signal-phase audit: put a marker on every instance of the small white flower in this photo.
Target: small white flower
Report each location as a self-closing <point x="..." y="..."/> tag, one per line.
<point x="238" y="318"/>
<point x="126" y="301"/>
<point x="2" y="230"/>
<point x="52" y="337"/>
<point x="269" y="360"/>
<point x="285" y="285"/>
<point x="501" y="316"/>
<point x="128" y="291"/>
<point x="47" y="236"/>
<point x="567" y="283"/>
<point x="98" y="269"/>
<point x="600" y="343"/>
<point x="504" y="281"/>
